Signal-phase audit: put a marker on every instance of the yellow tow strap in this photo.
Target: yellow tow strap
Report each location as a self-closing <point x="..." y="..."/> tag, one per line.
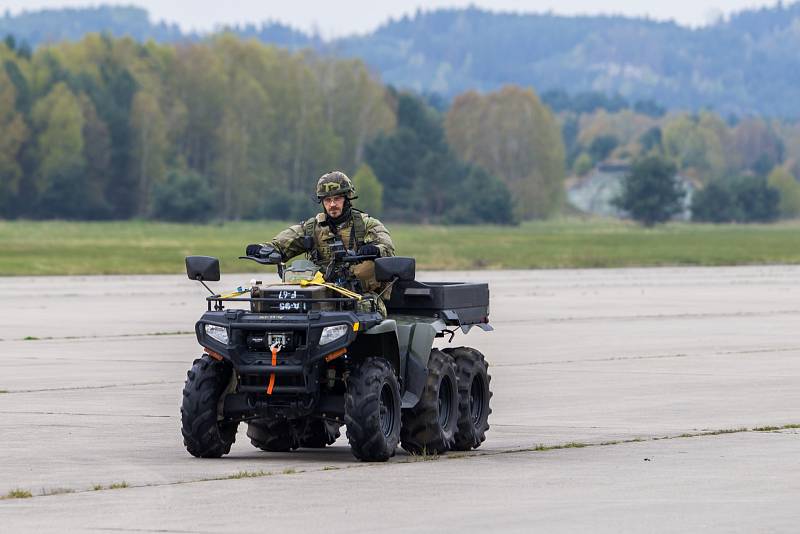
<point x="239" y="291"/>
<point x="318" y="280"/>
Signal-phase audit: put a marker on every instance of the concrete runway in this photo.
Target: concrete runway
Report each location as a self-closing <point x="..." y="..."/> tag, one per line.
<point x="662" y="376"/>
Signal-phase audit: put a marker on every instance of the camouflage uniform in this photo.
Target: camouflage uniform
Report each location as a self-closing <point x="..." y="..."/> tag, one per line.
<point x="355" y="231"/>
<point x="290" y="242"/>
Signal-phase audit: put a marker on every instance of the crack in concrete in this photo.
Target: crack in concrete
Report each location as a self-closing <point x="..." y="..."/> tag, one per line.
<point x="653" y="357"/>
<point x="109" y="336"/>
<point x="11" y="412"/>
<point x="450" y="456"/>
<point x="590" y="318"/>
<point x="594" y="360"/>
<point x="107" y="360"/>
<point x="109" y="529"/>
<point x="105" y="386"/>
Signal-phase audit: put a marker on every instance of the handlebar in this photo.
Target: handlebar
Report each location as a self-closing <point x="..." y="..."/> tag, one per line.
<point x="343" y="259"/>
<point x="262" y="261"/>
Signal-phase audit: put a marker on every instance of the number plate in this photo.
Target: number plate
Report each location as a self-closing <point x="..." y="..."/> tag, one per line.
<point x="288" y="302"/>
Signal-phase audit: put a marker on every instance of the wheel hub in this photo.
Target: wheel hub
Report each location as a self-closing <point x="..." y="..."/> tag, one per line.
<point x="476" y="400"/>
<point x="387" y="410"/>
<point x="445" y="402"/>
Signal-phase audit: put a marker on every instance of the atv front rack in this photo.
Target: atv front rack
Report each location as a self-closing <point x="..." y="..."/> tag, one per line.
<point x="340" y="303"/>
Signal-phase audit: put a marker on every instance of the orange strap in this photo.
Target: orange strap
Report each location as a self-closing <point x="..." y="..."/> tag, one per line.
<point x="271" y="385"/>
<point x="333" y="355"/>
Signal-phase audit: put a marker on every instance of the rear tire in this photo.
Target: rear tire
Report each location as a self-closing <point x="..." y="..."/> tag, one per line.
<point x="474" y="395"/>
<point x="204" y="434"/>
<point x="430" y="426"/>
<point x="272" y="435"/>
<point x="372" y="411"/>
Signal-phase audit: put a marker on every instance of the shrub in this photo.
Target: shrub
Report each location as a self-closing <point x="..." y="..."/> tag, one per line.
<point x="715" y="203"/>
<point x="742" y="199"/>
<point x="789" y="190"/>
<point x="183" y="196"/>
<point x="651" y="193"/>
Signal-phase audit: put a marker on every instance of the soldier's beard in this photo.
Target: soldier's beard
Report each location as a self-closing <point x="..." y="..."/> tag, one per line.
<point x="343" y="216"/>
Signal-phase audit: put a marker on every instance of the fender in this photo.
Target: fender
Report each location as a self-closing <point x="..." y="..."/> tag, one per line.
<point x="416" y="342"/>
<point x="382" y="340"/>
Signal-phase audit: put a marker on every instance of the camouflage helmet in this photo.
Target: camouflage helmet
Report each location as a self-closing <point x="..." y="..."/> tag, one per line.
<point x="335" y="183"/>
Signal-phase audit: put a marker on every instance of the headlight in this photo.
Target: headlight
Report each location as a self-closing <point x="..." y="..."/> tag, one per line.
<point x="217" y="332"/>
<point x="332" y="333"/>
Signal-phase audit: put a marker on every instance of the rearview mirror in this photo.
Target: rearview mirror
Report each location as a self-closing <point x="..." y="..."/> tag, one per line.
<point x="386" y="269"/>
<point x="202" y="268"/>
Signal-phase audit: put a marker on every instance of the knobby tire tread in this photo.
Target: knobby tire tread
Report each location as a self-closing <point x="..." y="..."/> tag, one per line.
<point x="203" y="435"/>
<point x="362" y="411"/>
<point x="470" y="364"/>
<point x="421" y="432"/>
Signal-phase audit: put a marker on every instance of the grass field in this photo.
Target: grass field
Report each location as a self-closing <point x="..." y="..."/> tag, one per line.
<point x="51" y="248"/>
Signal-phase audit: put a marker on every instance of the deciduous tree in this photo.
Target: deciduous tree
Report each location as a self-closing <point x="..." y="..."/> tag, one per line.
<point x="60" y="173"/>
<point x="511" y="134"/>
<point x="789" y="188"/>
<point x="369" y="191"/>
<point x="13" y="133"/>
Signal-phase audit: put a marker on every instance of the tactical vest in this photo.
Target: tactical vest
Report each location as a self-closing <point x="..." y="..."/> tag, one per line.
<point x="358" y="231"/>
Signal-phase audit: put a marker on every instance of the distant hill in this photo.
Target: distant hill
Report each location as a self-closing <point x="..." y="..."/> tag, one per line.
<point x="748" y="64"/>
<point x="53" y="25"/>
<point x="36" y="28"/>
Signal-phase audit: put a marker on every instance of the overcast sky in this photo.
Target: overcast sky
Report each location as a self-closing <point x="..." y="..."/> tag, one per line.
<point x="339" y="17"/>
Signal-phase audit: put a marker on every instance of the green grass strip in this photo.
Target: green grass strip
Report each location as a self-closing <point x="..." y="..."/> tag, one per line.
<point x="143" y="247"/>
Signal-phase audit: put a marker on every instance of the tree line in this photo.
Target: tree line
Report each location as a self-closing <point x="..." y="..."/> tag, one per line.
<point x="227" y="129"/>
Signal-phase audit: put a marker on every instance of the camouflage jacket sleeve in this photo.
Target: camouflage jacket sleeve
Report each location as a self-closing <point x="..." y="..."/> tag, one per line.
<point x="289" y="241"/>
<point x="378" y="235"/>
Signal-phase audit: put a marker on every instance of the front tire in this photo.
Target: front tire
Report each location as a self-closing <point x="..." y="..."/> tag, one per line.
<point x="474" y="395"/>
<point x="205" y="435"/>
<point x="430" y="426"/>
<point x="372" y="411"/>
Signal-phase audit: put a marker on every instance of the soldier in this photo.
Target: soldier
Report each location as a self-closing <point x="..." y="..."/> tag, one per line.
<point x="359" y="232"/>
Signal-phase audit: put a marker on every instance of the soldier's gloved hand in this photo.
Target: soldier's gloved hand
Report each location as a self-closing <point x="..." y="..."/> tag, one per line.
<point x="252" y="250"/>
<point x="369" y="250"/>
<point x="270" y="253"/>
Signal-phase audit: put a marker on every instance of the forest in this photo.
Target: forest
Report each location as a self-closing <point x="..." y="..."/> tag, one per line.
<point x="226" y="128"/>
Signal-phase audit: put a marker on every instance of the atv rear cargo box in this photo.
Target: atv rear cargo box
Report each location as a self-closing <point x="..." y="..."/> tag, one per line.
<point x="456" y="303"/>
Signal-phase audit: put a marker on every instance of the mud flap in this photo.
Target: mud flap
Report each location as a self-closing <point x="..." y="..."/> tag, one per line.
<point x="420" y="342"/>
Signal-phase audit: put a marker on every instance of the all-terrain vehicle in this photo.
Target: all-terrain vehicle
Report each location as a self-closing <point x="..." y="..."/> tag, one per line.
<point x="307" y="354"/>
